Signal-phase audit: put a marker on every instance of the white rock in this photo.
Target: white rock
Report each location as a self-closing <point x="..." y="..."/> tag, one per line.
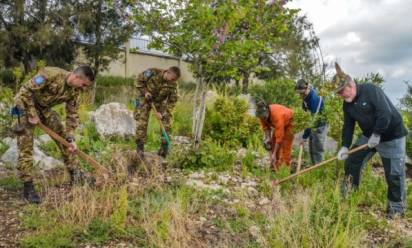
<point x="197" y="175"/>
<point x="200" y="185"/>
<point x="9" y="141"/>
<point x="44" y="139"/>
<point x="181" y="140"/>
<point x="264" y="201"/>
<point x="248" y="184"/>
<point x="224" y="179"/>
<point x="254" y="231"/>
<point x="114" y="119"/>
<point x="41" y="160"/>
<point x="202" y="219"/>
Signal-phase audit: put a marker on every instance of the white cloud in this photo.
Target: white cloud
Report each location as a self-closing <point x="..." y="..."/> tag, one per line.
<point x="365" y="36"/>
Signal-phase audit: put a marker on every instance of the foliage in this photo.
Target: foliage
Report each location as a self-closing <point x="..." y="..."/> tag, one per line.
<point x="182" y="115"/>
<point x="32" y="30"/>
<point x="118" y="218"/>
<point x="278" y="91"/>
<point x="228" y="122"/>
<point x="6" y="102"/>
<point x="296" y="55"/>
<point x="226" y="39"/>
<point x="105" y="27"/>
<point x="406" y="105"/>
<point x="210" y="155"/>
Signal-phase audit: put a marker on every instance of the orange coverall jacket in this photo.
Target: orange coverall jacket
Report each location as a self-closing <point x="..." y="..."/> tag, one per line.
<point x="280" y="122"/>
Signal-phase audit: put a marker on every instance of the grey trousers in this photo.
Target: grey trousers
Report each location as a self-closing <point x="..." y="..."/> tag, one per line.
<point x="393" y="155"/>
<point x="317" y="140"/>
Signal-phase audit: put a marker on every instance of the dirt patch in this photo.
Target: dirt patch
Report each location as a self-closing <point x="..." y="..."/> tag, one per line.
<point x="11" y="206"/>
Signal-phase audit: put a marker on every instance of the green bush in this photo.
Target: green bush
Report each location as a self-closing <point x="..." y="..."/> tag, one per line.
<point x="98" y="231"/>
<point x="228" y="122"/>
<point x="279" y="91"/>
<point x="6" y="102"/>
<point x="209" y="155"/>
<point x="7" y="78"/>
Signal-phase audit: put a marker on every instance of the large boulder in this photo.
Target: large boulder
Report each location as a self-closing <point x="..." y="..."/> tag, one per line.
<point x="114" y="119"/>
<point x="41" y="160"/>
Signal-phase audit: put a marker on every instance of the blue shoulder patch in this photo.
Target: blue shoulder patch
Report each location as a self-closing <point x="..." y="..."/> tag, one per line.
<point x="39" y="80"/>
<point x="148" y="74"/>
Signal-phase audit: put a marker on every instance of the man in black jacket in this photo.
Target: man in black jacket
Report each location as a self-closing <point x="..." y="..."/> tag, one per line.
<point x="382" y="129"/>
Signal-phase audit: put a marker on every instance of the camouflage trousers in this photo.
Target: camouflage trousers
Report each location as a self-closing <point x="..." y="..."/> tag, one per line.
<point x="25" y="144"/>
<point x="142" y="113"/>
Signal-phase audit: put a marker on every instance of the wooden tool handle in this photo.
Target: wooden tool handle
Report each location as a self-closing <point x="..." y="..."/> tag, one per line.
<point x="277" y="182"/>
<point x="157" y="117"/>
<point x="98" y="167"/>
<point x="300" y="157"/>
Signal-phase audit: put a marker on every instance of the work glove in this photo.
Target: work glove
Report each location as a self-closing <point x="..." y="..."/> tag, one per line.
<point x="343" y="153"/>
<point x="374" y="140"/>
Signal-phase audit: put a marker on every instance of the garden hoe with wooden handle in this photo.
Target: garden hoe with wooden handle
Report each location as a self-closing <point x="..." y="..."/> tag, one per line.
<point x="278" y="182"/>
<point x="100" y="169"/>
<point x="300" y="157"/>
<point x="164" y="133"/>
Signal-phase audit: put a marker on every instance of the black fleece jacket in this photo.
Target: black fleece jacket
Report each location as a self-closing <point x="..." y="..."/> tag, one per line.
<point x="374" y="113"/>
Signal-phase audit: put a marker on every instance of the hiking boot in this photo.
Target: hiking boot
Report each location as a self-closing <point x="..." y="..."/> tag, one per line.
<point x="164" y="150"/>
<point x="392" y="214"/>
<point x="78" y="177"/>
<point x="30" y="194"/>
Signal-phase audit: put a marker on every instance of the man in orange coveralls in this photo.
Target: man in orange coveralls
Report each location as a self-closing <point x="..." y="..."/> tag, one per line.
<point x="277" y="123"/>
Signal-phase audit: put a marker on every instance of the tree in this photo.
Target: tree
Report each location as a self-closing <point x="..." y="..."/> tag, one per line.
<point x="406" y="107"/>
<point x="296" y="55"/>
<point x="222" y="38"/>
<point x="104" y="26"/>
<point x="33" y="30"/>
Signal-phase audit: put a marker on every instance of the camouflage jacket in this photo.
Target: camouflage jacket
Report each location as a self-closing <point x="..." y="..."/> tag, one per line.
<point x="47" y="89"/>
<point x="152" y="81"/>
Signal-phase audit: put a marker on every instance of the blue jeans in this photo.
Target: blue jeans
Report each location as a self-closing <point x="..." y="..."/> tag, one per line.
<point x="317" y="141"/>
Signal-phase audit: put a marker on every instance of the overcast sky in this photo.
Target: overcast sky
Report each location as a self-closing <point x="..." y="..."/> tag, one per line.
<point x="365" y="36"/>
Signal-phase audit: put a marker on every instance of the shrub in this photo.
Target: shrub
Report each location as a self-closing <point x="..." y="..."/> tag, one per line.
<point x="6" y="102"/>
<point x="209" y="155"/>
<point x="279" y="91"/>
<point x="228" y="122"/>
<point x="7" y="78"/>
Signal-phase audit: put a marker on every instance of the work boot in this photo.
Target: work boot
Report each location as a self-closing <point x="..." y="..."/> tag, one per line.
<point x="78" y="177"/>
<point x="30" y="194"/>
<point x="164" y="150"/>
<point x="391" y="214"/>
<point x="140" y="149"/>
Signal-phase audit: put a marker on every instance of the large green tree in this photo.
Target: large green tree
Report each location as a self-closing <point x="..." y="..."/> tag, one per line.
<point x="223" y="39"/>
<point x="32" y="30"/>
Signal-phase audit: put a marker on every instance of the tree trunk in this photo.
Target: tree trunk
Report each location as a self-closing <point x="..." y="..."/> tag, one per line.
<point x="245" y="82"/>
<point x="199" y="108"/>
<point x="97" y="49"/>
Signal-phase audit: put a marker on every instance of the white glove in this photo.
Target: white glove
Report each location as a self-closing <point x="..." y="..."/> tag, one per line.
<point x="343" y="153"/>
<point x="374" y="140"/>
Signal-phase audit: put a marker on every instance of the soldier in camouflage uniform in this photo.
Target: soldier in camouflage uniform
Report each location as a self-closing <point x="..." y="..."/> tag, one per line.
<point x="51" y="86"/>
<point x="160" y="88"/>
